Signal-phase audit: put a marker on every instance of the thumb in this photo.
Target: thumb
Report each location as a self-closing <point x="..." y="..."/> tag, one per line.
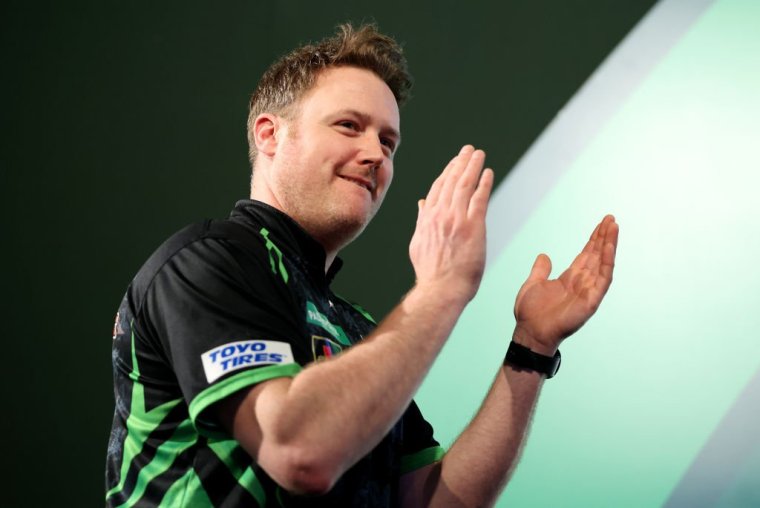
<point x="542" y="267"/>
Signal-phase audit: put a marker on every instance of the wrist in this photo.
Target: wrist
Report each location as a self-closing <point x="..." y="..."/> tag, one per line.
<point x="439" y="294"/>
<point x="529" y="340"/>
<point x="520" y="357"/>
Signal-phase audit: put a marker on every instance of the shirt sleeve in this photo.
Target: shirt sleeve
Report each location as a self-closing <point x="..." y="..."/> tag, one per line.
<point x="419" y="447"/>
<point x="224" y="321"/>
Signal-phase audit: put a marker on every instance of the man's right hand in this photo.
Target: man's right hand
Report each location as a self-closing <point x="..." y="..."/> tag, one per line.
<point x="449" y="243"/>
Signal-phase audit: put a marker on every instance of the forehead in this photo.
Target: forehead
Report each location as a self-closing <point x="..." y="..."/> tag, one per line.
<point x="351" y="88"/>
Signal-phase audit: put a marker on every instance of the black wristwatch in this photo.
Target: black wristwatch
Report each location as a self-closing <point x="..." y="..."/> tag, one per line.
<point x="523" y="357"/>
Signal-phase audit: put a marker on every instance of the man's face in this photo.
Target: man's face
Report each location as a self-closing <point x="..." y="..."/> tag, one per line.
<point x="334" y="159"/>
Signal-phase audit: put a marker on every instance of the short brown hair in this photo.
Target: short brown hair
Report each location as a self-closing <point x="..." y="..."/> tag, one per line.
<point x="290" y="77"/>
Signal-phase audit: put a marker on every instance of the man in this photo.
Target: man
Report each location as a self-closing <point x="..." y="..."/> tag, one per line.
<point x="242" y="380"/>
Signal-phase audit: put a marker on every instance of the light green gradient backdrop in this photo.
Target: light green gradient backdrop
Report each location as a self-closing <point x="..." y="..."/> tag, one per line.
<point x="647" y="381"/>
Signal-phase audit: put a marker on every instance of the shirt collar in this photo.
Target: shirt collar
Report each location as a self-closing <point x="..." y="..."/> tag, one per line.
<point x="290" y="235"/>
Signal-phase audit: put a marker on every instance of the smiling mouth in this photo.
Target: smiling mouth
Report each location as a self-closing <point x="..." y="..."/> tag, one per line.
<point x="360" y="183"/>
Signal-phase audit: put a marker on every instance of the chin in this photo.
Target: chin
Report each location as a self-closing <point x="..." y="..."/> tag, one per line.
<point x="342" y="231"/>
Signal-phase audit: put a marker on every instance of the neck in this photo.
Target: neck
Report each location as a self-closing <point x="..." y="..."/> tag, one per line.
<point x="329" y="260"/>
<point x="331" y="252"/>
<point x="331" y="240"/>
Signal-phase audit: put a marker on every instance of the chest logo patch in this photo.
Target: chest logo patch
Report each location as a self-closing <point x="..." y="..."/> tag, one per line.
<point x="314" y="317"/>
<point x="246" y="353"/>
<point x="324" y="348"/>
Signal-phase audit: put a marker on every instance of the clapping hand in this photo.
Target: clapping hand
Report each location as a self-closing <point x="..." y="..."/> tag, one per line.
<point x="548" y="311"/>
<point x="449" y="243"/>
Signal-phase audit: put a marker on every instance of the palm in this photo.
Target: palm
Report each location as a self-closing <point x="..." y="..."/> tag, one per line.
<point x="551" y="310"/>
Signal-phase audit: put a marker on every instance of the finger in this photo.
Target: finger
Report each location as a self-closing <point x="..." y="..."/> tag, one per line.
<point x="570" y="276"/>
<point x="592" y="267"/>
<point x="609" y="249"/>
<point x="435" y="189"/>
<point x="453" y="174"/>
<point x="585" y="266"/>
<point x="608" y="233"/>
<point x="603" y="276"/>
<point x="542" y="268"/>
<point x="596" y="243"/>
<point x="479" y="203"/>
<point x="603" y="230"/>
<point x="578" y="263"/>
<point x="468" y="181"/>
<point x="604" y="279"/>
<point x="590" y="245"/>
<point x="611" y="234"/>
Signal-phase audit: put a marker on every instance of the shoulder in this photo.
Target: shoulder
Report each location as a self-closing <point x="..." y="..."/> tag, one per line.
<point x="206" y="251"/>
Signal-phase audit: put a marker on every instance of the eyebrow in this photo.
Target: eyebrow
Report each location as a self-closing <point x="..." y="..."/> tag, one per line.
<point x="365" y="118"/>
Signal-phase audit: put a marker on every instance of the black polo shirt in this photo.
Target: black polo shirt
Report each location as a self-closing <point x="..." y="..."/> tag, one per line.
<point x="220" y="306"/>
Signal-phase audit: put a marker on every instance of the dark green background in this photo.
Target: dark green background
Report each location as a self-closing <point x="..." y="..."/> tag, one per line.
<point x="124" y="121"/>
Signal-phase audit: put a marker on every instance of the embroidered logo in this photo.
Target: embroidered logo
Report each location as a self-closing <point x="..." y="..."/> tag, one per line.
<point x="323" y="348"/>
<point x="314" y="317"/>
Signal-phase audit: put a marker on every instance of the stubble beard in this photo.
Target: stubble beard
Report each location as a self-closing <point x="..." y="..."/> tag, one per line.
<point x="325" y="218"/>
<point x="343" y="228"/>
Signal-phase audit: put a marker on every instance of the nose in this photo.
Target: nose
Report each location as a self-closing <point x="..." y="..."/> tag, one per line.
<point x="372" y="153"/>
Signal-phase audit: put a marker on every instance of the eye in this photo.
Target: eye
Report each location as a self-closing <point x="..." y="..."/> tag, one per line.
<point x="349" y="124"/>
<point x="388" y="142"/>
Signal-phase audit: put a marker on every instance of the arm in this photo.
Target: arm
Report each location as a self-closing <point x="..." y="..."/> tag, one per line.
<point x="281" y="422"/>
<point x="480" y="462"/>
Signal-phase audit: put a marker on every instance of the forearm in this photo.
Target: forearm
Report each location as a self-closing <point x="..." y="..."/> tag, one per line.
<point x="481" y="460"/>
<point x="478" y="465"/>
<point x="366" y="389"/>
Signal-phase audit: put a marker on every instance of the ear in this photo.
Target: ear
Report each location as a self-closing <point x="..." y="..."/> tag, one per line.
<point x="266" y="128"/>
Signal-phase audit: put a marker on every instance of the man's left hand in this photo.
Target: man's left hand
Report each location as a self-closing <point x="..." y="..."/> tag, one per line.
<point x="548" y="311"/>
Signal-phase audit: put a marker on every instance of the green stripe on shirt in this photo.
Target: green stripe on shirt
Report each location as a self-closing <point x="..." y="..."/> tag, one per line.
<point x="421" y="459"/>
<point x="232" y="384"/>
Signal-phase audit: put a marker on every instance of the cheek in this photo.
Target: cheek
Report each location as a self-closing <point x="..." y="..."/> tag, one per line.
<point x="385" y="177"/>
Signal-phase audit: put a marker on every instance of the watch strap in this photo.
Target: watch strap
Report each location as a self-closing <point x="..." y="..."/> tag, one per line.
<point x="523" y="357"/>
